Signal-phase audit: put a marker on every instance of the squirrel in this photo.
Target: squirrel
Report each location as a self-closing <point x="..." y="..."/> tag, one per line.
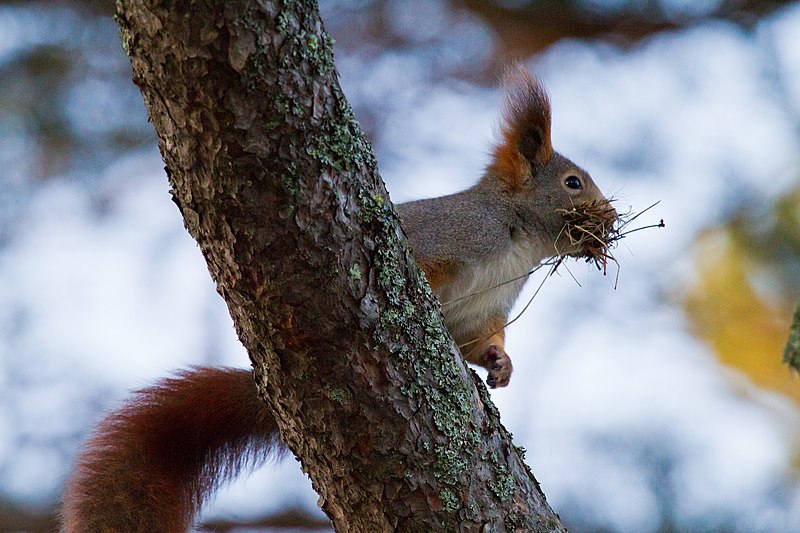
<point x="151" y="464"/>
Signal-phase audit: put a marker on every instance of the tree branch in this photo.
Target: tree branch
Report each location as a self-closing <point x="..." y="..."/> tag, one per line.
<point x="279" y="187"/>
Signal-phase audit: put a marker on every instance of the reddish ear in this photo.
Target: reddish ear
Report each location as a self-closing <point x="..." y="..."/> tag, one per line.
<point x="525" y="128"/>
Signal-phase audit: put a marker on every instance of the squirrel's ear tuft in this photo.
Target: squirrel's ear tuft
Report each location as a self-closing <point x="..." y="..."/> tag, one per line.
<point x="525" y="128"/>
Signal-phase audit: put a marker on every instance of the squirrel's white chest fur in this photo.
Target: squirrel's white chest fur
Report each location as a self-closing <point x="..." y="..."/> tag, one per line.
<point x="484" y="290"/>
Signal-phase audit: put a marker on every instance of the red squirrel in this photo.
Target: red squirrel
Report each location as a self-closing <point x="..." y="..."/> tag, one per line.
<point x="151" y="464"/>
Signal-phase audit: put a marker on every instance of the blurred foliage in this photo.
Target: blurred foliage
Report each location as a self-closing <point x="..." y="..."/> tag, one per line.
<point x="41" y="82"/>
<point x="48" y="69"/>
<point x="17" y="517"/>
<point x="748" y="280"/>
<point x="67" y="107"/>
<point x="791" y="353"/>
<point x="105" y="7"/>
<point x="526" y="26"/>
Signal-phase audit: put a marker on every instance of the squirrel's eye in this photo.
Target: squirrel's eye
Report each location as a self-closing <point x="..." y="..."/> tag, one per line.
<point x="573" y="182"/>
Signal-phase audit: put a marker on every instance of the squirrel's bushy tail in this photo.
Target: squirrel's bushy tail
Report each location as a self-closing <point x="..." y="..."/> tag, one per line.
<point x="151" y="464"/>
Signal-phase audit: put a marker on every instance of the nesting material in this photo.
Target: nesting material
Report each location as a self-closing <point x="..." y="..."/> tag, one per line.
<point x="593" y="228"/>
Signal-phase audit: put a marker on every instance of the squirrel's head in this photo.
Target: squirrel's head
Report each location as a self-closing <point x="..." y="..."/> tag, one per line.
<point x="540" y="182"/>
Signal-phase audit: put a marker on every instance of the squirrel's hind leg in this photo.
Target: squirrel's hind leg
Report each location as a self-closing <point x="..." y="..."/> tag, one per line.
<point x="488" y="351"/>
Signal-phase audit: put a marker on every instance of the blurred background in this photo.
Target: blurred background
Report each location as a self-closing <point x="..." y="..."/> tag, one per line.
<point x="658" y="405"/>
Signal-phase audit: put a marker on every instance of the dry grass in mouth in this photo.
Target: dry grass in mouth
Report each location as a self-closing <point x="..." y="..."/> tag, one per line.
<point x="595" y="227"/>
<point x="592" y="227"/>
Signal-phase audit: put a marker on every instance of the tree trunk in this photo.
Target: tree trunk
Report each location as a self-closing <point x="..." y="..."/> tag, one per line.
<point x="279" y="187"/>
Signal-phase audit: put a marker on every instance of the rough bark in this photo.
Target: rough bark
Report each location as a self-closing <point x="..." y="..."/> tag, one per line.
<point x="279" y="187"/>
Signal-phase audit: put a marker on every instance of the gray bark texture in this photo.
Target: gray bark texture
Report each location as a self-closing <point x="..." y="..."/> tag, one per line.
<point x="278" y="185"/>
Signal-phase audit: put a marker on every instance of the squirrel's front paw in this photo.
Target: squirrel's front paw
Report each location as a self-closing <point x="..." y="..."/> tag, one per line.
<point x="499" y="365"/>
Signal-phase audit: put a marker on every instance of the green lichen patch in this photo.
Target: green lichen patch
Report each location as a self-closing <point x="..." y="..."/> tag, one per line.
<point x="289" y="183"/>
<point x="354" y="272"/>
<point x="284" y="22"/>
<point x="340" y="395"/>
<point x="393" y="283"/>
<point x="271" y="125"/>
<point x="341" y="145"/>
<point x="317" y="50"/>
<point x="503" y="483"/>
<point x="450" y="501"/>
<point x="309" y="42"/>
<point x="373" y="209"/>
<point x="449" y="464"/>
<point x="124" y="34"/>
